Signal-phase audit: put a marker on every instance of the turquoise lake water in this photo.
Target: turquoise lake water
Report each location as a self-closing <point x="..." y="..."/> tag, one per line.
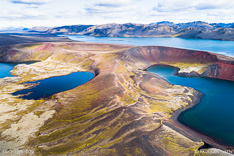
<point x="47" y="87"/>
<point x="53" y="85"/>
<point x="214" y="115"/>
<point x="217" y="46"/>
<point x="5" y="69"/>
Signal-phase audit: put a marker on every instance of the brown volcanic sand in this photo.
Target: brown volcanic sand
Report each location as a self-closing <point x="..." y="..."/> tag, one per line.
<point x="122" y="111"/>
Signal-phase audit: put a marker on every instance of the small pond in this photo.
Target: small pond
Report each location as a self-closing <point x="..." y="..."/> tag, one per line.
<point x="47" y="87"/>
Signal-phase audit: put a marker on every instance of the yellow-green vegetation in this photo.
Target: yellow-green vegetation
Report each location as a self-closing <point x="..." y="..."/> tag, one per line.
<point x="130" y="94"/>
<point x="28" y="46"/>
<point x="38" y="113"/>
<point x="159" y="106"/>
<point x="119" y="112"/>
<point x="75" y="115"/>
<point x="172" y="143"/>
<point x="27" y="77"/>
<point x="108" y="58"/>
<point x="17" y="121"/>
<point x="165" y="104"/>
<point x="87" y="64"/>
<point x="176" y="144"/>
<point x="176" y="35"/>
<point x="40" y="55"/>
<point x="131" y="91"/>
<point x="197" y="67"/>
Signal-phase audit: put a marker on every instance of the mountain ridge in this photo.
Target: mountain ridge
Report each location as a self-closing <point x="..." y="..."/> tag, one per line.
<point x="196" y="29"/>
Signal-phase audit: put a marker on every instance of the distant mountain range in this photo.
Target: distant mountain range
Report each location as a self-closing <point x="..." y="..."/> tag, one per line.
<point x="12" y="29"/>
<point x="197" y="29"/>
<point x="197" y="24"/>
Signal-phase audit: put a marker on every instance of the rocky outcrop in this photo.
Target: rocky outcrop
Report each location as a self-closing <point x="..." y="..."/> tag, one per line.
<point x="220" y="70"/>
<point x="208" y="33"/>
<point x="69" y="29"/>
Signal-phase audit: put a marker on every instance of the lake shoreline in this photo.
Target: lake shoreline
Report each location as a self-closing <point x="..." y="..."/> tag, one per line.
<point x="193" y="133"/>
<point x="184" y="129"/>
<point x="48" y="87"/>
<point x="215" y="46"/>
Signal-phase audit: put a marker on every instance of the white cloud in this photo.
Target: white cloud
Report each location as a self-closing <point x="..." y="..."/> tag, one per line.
<point x="110" y="3"/>
<point x="17" y="14"/>
<point x="195" y="10"/>
<point x="171" y="6"/>
<point x="38" y="2"/>
<point x="61" y="12"/>
<point x="108" y="8"/>
<point x="181" y="5"/>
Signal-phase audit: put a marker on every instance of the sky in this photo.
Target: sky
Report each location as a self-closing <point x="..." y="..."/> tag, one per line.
<point x="30" y="13"/>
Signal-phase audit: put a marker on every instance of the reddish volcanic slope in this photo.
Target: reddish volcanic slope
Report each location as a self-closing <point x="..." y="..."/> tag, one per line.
<point x="218" y="68"/>
<point x="167" y="54"/>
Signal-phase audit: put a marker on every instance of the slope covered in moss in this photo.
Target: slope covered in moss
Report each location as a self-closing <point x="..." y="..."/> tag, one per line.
<point x="124" y="110"/>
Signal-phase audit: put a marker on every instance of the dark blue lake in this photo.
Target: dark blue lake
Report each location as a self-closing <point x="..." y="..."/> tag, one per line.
<point x="214" y="115"/>
<point x="5" y="69"/>
<point x="47" y="87"/>
<point x="216" y="46"/>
